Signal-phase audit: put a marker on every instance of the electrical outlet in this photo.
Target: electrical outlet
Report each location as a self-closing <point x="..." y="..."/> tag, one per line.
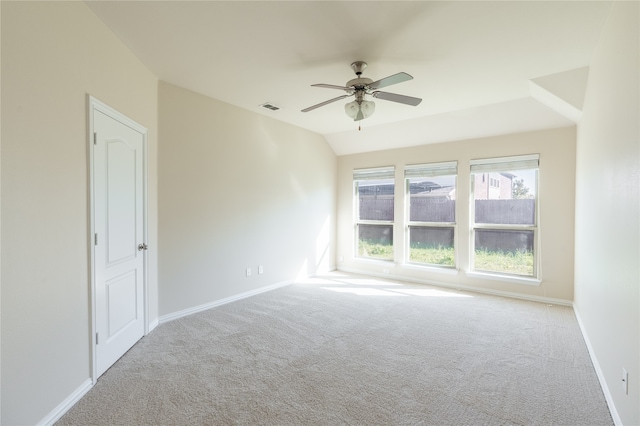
<point x="625" y="381"/>
<point x="248" y="272"/>
<point x="261" y="269"/>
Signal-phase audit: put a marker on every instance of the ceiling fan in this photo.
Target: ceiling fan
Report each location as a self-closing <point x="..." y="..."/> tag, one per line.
<point x="360" y="108"/>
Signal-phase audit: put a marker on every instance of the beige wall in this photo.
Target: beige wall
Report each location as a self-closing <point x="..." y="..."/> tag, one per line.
<point x="53" y="55"/>
<point x="238" y="190"/>
<point x="607" y="211"/>
<point x="556" y="202"/>
<point x="218" y="162"/>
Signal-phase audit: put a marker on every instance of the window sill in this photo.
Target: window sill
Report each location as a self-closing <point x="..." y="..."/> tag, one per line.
<point x="506" y="278"/>
<point x="430" y="268"/>
<point x="373" y="260"/>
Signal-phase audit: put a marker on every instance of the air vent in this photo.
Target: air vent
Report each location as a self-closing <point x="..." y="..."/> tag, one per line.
<point x="270" y="106"/>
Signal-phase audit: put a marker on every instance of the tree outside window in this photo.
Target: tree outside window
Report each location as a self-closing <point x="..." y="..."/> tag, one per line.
<point x="505" y="225"/>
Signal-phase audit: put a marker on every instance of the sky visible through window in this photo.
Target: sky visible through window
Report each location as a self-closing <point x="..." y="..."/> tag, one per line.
<point x="529" y="177"/>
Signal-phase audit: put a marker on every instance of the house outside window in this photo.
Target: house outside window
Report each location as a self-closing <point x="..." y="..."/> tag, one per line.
<point x="504" y="215"/>
<point x="374" y="197"/>
<point x="431" y="213"/>
<point x="492" y="186"/>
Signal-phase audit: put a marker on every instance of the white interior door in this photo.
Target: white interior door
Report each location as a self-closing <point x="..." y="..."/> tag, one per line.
<point x="119" y="245"/>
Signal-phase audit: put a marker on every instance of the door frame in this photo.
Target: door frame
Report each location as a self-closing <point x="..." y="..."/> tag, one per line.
<point x="96" y="105"/>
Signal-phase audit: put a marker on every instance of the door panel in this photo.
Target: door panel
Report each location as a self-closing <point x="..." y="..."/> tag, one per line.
<point x="121" y="205"/>
<point x="119" y="182"/>
<point x="122" y="294"/>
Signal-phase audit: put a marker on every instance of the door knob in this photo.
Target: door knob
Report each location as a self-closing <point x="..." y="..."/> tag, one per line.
<point x="142" y="247"/>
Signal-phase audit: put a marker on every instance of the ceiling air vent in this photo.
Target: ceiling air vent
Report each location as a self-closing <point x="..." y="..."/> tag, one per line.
<point x="270" y="106"/>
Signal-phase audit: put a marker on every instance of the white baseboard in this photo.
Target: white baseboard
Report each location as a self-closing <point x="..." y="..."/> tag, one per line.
<point x="72" y="399"/>
<point x="599" y="373"/>
<point x="549" y="300"/>
<point x="66" y="405"/>
<point x="200" y="308"/>
<point x="153" y="324"/>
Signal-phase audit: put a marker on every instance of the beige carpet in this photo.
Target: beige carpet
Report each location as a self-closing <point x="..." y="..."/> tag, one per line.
<point x="359" y="351"/>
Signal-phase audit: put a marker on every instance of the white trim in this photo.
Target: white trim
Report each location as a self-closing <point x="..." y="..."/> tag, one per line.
<point x="220" y="302"/>
<point x="153" y="325"/>
<point x="506" y="278"/>
<point x="376" y="261"/>
<point x="96" y="105"/>
<point x="596" y="365"/>
<point x="116" y="115"/>
<point x="542" y="299"/>
<point x="92" y="247"/>
<point x="66" y="405"/>
<point x="427" y="267"/>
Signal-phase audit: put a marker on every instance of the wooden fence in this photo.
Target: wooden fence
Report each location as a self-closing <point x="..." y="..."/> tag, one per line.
<point x="427" y="209"/>
<point x="508" y="212"/>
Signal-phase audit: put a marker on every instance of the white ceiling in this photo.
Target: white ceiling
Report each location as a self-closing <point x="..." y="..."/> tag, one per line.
<point x="471" y="61"/>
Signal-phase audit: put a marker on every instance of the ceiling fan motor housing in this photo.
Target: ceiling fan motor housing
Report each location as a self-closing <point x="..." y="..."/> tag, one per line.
<point x="359" y="83"/>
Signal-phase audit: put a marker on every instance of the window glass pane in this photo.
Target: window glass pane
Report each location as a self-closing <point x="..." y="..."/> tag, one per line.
<point x="375" y="199"/>
<point x="504" y="251"/>
<point x="433" y="199"/>
<point x="375" y="241"/>
<point x="431" y="245"/>
<point x="507" y="198"/>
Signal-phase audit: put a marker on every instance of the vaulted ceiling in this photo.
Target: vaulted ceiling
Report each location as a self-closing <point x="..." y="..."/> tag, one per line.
<point x="481" y="68"/>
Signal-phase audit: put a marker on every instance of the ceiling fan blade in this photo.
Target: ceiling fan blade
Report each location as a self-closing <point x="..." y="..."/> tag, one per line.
<point x="324" y="103"/>
<point x="393" y="97"/>
<point x="388" y="81"/>
<point x="333" y="86"/>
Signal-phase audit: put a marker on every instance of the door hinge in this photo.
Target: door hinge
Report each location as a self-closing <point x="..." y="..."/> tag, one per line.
<point x="95" y="138"/>
<point x="97" y="338"/>
<point x="95" y="239"/>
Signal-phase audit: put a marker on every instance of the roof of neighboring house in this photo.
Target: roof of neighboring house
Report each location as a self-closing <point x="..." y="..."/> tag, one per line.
<point x="443" y="192"/>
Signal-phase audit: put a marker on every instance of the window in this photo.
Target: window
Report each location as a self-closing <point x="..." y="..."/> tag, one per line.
<point x="504" y="215"/>
<point x="374" y="203"/>
<point x="431" y="210"/>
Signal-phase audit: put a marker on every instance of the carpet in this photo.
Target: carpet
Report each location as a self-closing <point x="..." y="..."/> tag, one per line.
<point x="352" y="350"/>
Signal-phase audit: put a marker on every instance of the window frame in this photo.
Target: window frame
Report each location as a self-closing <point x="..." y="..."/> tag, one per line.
<point x="376" y="173"/>
<point x="426" y="170"/>
<point x="505" y="165"/>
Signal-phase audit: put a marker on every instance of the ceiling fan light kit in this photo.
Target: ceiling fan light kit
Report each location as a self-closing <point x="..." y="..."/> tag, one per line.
<point x="360" y="108"/>
<point x="360" y="111"/>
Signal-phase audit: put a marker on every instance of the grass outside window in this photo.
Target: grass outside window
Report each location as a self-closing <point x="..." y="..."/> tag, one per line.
<point x="440" y="255"/>
<point x="516" y="262"/>
<point x="375" y="250"/>
<point x="519" y="262"/>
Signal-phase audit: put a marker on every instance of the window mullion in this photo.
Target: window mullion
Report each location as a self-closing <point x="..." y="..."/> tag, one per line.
<point x="500" y="226"/>
<point x="433" y="224"/>
<point x="375" y="222"/>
